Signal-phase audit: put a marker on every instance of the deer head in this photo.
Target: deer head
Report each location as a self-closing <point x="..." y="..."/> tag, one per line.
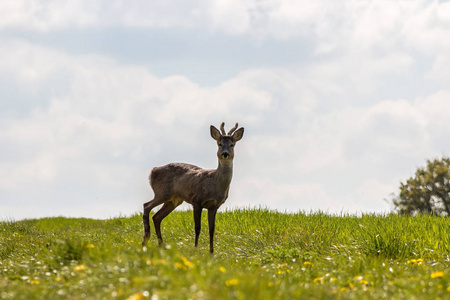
<point x="226" y="141"/>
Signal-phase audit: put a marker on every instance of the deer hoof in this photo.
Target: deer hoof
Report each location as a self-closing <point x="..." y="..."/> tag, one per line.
<point x="146" y="238"/>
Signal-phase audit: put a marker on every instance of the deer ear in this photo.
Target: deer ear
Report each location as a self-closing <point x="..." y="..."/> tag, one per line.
<point x="215" y="133"/>
<point x="238" y="134"/>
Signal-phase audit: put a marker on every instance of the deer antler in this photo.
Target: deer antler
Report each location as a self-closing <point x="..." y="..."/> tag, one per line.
<point x="233" y="129"/>
<point x="222" y="129"/>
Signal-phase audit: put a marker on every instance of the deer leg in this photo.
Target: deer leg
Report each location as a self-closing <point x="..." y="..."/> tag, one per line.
<point x="148" y="206"/>
<point x="167" y="208"/>
<point x="198" y="222"/>
<point x="212" y="225"/>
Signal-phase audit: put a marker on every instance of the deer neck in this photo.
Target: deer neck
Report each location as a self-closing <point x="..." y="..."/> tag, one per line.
<point x="224" y="173"/>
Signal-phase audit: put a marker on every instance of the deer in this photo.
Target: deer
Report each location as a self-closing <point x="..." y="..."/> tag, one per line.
<point x="176" y="183"/>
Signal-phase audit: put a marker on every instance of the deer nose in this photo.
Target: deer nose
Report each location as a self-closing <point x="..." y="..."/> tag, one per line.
<point x="225" y="154"/>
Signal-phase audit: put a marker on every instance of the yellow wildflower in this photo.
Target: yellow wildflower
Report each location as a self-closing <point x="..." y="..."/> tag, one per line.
<point x="318" y="280"/>
<point x="90" y="246"/>
<point x="35" y="281"/>
<point x="437" y="274"/>
<point x="160" y="262"/>
<point x="448" y="289"/>
<point x="349" y="286"/>
<point x="186" y="262"/>
<point x="79" y="268"/>
<point x="282" y="271"/>
<point x="222" y="269"/>
<point x="414" y="261"/>
<point x="137" y="296"/>
<point x="232" y="282"/>
<point x="179" y="265"/>
<point x="58" y="278"/>
<point x="307" y="263"/>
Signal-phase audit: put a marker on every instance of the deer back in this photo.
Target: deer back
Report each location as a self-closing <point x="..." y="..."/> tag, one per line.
<point x="187" y="182"/>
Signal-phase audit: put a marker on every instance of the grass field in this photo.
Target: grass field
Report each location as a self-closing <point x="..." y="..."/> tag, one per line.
<point x="259" y="254"/>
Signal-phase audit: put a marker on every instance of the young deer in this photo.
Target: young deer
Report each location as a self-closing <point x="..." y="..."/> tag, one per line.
<point x="177" y="182"/>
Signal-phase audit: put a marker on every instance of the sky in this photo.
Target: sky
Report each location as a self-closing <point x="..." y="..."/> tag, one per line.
<point x="340" y="100"/>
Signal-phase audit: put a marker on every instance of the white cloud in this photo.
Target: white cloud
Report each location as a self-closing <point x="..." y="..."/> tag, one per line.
<point x="113" y="122"/>
<point x="281" y="196"/>
<point x="54" y="15"/>
<point x="387" y="127"/>
<point x="84" y="130"/>
<point x="440" y="71"/>
<point x="111" y="119"/>
<point x="369" y="38"/>
<point x="436" y="109"/>
<point x="370" y="193"/>
<point x="426" y="26"/>
<point x="367" y="23"/>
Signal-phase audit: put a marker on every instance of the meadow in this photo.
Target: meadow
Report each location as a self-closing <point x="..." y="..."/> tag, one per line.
<point x="259" y="254"/>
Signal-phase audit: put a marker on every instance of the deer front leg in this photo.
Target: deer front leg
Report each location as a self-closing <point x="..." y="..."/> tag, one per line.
<point x="212" y="225"/>
<point x="198" y="222"/>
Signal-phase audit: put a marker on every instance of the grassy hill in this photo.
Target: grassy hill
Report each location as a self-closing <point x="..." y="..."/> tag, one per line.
<point x="260" y="254"/>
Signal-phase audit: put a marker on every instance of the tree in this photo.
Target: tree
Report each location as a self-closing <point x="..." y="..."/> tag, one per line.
<point x="428" y="191"/>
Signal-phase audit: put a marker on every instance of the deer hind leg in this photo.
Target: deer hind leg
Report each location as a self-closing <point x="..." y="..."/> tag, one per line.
<point x="167" y="208"/>
<point x="148" y="206"/>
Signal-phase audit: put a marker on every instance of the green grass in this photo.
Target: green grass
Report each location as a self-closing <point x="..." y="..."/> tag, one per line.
<point x="259" y="254"/>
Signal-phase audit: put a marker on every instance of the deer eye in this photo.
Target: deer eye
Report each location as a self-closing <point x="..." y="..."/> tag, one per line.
<point x="220" y="144"/>
<point x="231" y="145"/>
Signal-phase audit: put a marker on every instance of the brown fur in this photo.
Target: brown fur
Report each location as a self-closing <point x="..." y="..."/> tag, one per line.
<point x="178" y="182"/>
